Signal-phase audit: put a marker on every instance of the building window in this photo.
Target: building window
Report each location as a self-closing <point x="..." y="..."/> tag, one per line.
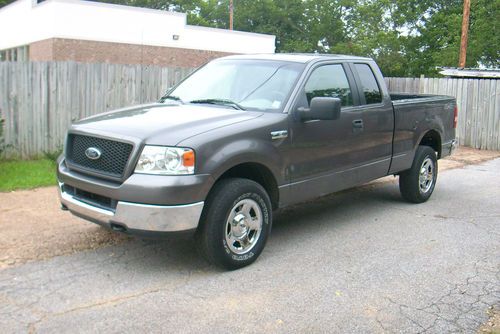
<point x="15" y="54"/>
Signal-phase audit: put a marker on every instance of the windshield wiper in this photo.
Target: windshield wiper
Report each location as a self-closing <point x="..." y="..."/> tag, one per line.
<point x="223" y="102"/>
<point x="171" y="97"/>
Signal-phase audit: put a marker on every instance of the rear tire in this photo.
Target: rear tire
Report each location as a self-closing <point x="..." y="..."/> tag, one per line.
<point x="235" y="223"/>
<point x="417" y="183"/>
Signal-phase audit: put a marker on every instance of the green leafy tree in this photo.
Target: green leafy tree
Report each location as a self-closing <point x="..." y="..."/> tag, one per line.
<point x="5" y="2"/>
<point x="437" y="34"/>
<point x="484" y="36"/>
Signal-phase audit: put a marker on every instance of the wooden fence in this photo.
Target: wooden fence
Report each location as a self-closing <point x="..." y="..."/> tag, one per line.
<point x="39" y="100"/>
<point x="478" y="105"/>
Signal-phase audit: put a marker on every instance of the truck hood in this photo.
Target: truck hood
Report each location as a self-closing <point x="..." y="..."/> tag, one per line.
<point x="162" y="124"/>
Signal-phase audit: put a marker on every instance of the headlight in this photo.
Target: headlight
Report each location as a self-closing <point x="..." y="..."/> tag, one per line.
<point x="165" y="160"/>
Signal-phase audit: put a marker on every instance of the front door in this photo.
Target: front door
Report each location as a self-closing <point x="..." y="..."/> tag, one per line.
<point x="328" y="155"/>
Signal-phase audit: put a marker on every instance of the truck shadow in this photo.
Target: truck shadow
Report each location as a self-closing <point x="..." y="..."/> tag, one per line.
<point x="290" y="224"/>
<point x="352" y="209"/>
<point x="332" y="209"/>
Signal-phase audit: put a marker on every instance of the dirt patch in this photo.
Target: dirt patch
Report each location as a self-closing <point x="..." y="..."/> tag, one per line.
<point x="492" y="326"/>
<point x="33" y="227"/>
<point x="467" y="156"/>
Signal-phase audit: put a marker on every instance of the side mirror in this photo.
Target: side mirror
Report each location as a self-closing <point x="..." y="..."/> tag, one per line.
<point x="322" y="108"/>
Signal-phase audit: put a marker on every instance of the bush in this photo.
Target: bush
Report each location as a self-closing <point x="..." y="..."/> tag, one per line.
<point x="52" y="155"/>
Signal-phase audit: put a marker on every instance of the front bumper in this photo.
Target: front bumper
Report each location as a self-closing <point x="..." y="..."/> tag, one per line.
<point x="143" y="204"/>
<point x="135" y="217"/>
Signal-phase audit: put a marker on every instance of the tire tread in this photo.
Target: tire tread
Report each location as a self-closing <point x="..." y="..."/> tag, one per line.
<point x="208" y="235"/>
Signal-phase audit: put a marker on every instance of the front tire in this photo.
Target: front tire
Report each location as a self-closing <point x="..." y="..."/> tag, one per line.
<point x="235" y="223"/>
<point x="417" y="184"/>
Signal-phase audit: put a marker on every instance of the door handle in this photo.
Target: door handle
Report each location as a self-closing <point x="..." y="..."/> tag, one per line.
<point x="282" y="134"/>
<point x="357" y="124"/>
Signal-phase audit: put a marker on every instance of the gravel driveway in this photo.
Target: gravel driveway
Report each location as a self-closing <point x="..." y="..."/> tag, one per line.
<point x="359" y="261"/>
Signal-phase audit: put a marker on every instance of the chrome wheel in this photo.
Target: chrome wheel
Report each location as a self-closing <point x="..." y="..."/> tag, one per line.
<point x="426" y="175"/>
<point x="243" y="226"/>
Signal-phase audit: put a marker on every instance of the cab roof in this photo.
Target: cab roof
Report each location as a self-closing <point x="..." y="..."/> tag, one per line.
<point x="296" y="57"/>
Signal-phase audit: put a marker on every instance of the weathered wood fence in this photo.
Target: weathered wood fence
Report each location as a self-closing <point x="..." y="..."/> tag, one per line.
<point x="478" y="105"/>
<point x="39" y="100"/>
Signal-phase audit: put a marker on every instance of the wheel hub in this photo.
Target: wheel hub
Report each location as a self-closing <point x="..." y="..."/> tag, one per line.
<point x="240" y="227"/>
<point x="244" y="226"/>
<point x="426" y="175"/>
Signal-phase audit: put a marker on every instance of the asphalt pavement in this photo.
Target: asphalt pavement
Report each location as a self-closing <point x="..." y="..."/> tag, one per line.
<point x="361" y="261"/>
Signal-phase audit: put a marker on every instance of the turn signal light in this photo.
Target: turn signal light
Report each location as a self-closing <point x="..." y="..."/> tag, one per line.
<point x="188" y="159"/>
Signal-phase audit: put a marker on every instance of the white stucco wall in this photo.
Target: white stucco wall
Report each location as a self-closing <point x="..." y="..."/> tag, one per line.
<point x="24" y="22"/>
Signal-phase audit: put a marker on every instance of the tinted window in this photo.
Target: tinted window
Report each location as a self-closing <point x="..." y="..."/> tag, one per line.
<point x="329" y="81"/>
<point x="369" y="83"/>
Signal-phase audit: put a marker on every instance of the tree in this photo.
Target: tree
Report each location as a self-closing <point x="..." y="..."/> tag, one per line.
<point x="436" y="40"/>
<point x="484" y="35"/>
<point x="5" y="2"/>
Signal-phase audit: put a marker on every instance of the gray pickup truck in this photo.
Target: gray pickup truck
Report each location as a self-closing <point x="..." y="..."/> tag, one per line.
<point x="246" y="135"/>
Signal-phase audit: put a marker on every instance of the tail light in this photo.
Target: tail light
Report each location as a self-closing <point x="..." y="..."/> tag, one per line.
<point x="455" y="118"/>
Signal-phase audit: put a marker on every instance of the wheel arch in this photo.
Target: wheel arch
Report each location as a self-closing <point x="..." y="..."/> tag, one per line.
<point x="432" y="138"/>
<point x="256" y="172"/>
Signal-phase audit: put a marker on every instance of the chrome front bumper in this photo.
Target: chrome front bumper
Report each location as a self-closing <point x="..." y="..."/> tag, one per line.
<point x="136" y="217"/>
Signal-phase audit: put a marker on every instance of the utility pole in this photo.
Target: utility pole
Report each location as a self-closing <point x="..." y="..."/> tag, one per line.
<point x="231" y="10"/>
<point x="465" y="34"/>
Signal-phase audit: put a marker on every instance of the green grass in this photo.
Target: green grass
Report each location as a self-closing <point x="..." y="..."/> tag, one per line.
<point x="27" y="174"/>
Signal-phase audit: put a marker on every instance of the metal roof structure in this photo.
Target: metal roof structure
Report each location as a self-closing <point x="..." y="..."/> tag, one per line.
<point x="470" y="73"/>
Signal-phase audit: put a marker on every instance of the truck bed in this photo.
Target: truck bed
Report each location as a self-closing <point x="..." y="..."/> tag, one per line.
<point x="416" y="114"/>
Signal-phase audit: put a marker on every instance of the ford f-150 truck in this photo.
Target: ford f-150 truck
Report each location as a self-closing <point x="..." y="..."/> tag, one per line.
<point x="246" y="135"/>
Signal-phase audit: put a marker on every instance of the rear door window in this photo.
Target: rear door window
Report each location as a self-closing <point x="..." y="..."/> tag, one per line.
<point x="369" y="84"/>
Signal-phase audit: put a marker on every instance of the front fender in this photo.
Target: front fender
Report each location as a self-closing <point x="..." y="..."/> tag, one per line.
<point x="245" y="151"/>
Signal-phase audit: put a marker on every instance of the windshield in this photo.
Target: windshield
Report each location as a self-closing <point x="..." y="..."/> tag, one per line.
<point x="241" y="84"/>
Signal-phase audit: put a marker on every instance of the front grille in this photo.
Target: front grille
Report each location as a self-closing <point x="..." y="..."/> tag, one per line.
<point x="102" y="202"/>
<point x="113" y="160"/>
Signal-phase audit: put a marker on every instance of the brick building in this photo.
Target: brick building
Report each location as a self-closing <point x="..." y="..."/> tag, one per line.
<point x="85" y="31"/>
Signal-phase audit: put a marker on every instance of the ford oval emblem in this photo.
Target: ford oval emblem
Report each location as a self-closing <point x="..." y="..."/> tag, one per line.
<point x="93" y="153"/>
